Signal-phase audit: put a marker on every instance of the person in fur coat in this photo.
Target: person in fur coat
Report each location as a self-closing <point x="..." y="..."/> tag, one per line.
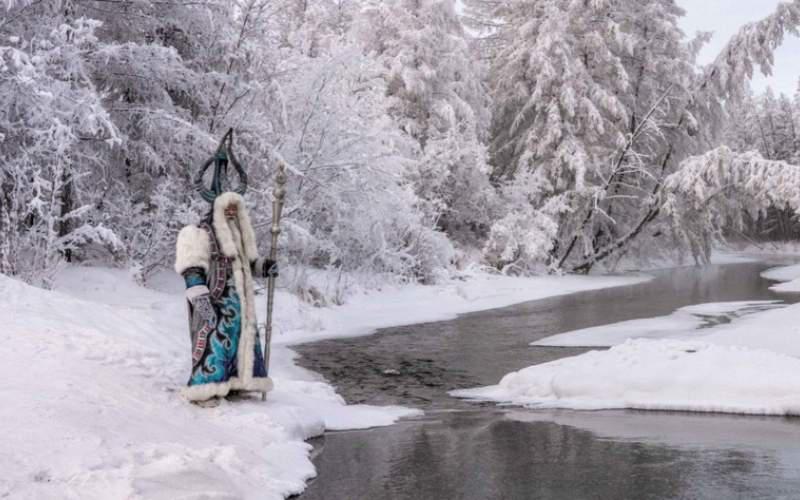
<point x="218" y="260"/>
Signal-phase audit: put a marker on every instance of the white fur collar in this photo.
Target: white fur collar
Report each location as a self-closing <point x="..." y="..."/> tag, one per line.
<point x="223" y="231"/>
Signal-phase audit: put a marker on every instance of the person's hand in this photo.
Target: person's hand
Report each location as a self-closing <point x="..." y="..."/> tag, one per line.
<point x="270" y="269"/>
<point x="202" y="307"/>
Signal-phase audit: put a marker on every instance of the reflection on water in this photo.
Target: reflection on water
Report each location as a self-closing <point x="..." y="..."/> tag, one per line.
<point x="486" y="453"/>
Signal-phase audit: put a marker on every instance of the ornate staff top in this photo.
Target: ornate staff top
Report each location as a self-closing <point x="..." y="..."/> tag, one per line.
<point x="279" y="195"/>
<point x="220" y="182"/>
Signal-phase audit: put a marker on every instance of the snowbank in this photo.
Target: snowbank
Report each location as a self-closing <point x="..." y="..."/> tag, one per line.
<point x="757" y="325"/>
<point x="657" y="375"/>
<point x="91" y="374"/>
<point x="788" y="274"/>
<point x="411" y="304"/>
<point x="777" y="330"/>
<point x="91" y="407"/>
<point x="682" y="323"/>
<point x="748" y="366"/>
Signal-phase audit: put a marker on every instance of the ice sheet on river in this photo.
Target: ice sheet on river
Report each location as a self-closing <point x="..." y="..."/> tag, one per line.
<point x="788" y="275"/>
<point x="776" y="329"/>
<point x="682" y="324"/>
<point x="748" y="366"/>
<point x="657" y="375"/>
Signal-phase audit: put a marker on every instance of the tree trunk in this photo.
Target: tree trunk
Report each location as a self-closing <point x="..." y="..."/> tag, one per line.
<point x="67" y="203"/>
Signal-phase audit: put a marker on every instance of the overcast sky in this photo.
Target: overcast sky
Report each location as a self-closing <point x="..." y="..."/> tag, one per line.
<point x="724" y="17"/>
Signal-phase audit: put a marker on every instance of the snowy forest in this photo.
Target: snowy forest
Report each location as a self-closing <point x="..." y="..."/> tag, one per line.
<point x="485" y="249"/>
<point x="422" y="137"/>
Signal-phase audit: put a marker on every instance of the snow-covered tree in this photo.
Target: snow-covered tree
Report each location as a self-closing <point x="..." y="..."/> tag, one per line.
<point x="53" y="132"/>
<point x="582" y="94"/>
<point x="722" y="189"/>
<point x="438" y="99"/>
<point x="406" y="155"/>
<point x="767" y="124"/>
<point x="607" y="156"/>
<point x="164" y="79"/>
<point x="348" y="206"/>
<point x="173" y="92"/>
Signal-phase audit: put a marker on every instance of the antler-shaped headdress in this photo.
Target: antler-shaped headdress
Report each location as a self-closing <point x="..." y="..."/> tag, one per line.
<point x="220" y="182"/>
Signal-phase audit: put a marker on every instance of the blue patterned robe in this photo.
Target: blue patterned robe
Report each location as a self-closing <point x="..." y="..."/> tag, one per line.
<point x="218" y="260"/>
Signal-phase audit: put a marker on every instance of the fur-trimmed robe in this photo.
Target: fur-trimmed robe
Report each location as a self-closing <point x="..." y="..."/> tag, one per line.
<point x="227" y="353"/>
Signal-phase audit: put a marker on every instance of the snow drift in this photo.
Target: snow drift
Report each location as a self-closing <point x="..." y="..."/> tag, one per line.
<point x="657" y="375"/>
<point x="747" y="366"/>
<point x="91" y="376"/>
<point x="788" y="275"/>
<point x="682" y="323"/>
<point x="91" y="405"/>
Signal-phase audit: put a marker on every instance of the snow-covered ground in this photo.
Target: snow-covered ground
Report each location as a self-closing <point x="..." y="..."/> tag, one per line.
<point x="788" y="275"/>
<point x="680" y="324"/>
<point x="748" y="366"/>
<point x="659" y="375"/>
<point x="367" y="311"/>
<point x="91" y="372"/>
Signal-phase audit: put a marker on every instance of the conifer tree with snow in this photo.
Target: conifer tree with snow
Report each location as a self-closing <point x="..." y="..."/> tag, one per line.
<point x="560" y="141"/>
<point x="438" y="99"/>
<point x="580" y="91"/>
<point x="52" y="120"/>
<point x="766" y="124"/>
<point x="596" y="105"/>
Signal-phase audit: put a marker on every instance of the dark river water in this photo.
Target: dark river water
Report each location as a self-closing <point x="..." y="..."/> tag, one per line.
<point x="466" y="450"/>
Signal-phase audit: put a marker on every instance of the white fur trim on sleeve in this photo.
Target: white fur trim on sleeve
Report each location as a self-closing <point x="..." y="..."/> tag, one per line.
<point x="258" y="267"/>
<point x="196" y="291"/>
<point x="193" y="249"/>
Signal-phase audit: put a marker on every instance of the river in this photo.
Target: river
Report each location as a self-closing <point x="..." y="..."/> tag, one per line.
<point x="465" y="450"/>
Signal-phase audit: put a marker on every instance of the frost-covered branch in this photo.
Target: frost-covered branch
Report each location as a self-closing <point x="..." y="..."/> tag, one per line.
<point x="750" y="183"/>
<point x="753" y="46"/>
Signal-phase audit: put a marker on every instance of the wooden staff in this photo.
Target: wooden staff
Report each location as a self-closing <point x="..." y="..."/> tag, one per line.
<point x="278" y="196"/>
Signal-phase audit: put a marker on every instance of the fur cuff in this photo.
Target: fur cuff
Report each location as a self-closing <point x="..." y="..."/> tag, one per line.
<point x="196" y="291"/>
<point x="192" y="250"/>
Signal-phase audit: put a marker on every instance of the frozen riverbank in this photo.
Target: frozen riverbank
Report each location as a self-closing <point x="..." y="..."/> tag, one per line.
<point x="476" y="451"/>
<point x="92" y="369"/>
<point x="748" y="365"/>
